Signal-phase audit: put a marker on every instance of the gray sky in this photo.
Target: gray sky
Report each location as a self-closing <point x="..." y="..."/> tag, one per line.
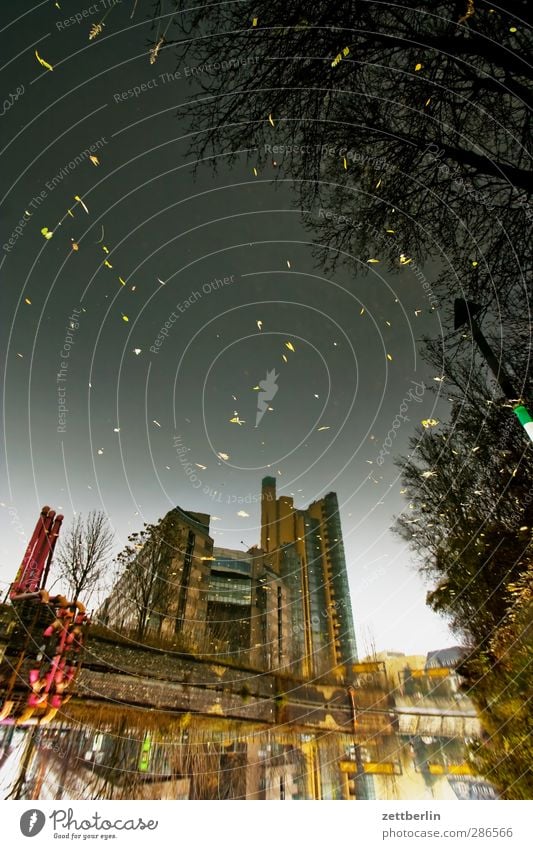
<point x="160" y="224"/>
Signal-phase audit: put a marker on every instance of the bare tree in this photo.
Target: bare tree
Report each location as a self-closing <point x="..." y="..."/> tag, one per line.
<point x="144" y="579"/>
<point x="404" y="130"/>
<point x="84" y="554"/>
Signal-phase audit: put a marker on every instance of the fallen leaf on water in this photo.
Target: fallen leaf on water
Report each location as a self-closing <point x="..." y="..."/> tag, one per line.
<point x="418" y="66"/>
<point x="290" y="346"/>
<point x="46" y="232"/>
<point x="223" y="456"/>
<point x="95" y="30"/>
<point x="429" y="423"/>
<point x="94" y="160"/>
<point x="125" y="318"/>
<point x="243" y="513"/>
<point x="77" y="197"/>
<point x="325" y="427"/>
<point x="271" y="119"/>
<point x="156" y="422"/>
<point x="27" y="300"/>
<point x="137" y="351"/>
<point x="43" y="62"/>
<point x="259" y="324"/>
<point x="373" y="260"/>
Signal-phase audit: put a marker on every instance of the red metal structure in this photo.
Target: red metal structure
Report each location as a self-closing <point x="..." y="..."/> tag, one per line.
<point x="36" y="562"/>
<point x="44" y="655"/>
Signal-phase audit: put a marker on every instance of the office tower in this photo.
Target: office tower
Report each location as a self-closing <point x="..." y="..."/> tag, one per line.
<point x="305" y="549"/>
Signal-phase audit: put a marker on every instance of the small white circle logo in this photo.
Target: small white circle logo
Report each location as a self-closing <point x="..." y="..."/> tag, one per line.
<point x="32" y="822"/>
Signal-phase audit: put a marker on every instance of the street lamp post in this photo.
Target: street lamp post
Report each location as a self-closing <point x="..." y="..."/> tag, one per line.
<point x="465" y="313"/>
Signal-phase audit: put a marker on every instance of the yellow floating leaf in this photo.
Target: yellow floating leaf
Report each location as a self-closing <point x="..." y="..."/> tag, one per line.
<point x="95" y="30"/>
<point x="46" y="233"/>
<point x="43" y="62"/>
<point x="284" y="358"/>
<point x="69" y="211"/>
<point x="105" y="250"/>
<point x="324" y="427"/>
<point x="77" y="197"/>
<point x="75" y="246"/>
<point x="290" y="346"/>
<point x="418" y="66"/>
<point x="405" y="260"/>
<point x="389" y="357"/>
<point x="373" y="260"/>
<point x="27" y="300"/>
<point x="362" y="311"/>
<point x="428" y="101"/>
<point x="122" y="281"/>
<point x="259" y="324"/>
<point x="125" y="318"/>
<point x="345" y="163"/>
<point x="378" y="184"/>
<point x="391" y="231"/>
<point x="474" y="264"/>
<point x="107" y="263"/>
<point x="254" y="22"/>
<point x="271" y="119"/>
<point x="512" y="29"/>
<point x="255" y="172"/>
<point x="94" y="160"/>
<point x="429" y="423"/>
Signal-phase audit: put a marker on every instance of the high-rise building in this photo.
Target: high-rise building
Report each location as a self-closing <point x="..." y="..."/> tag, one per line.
<point x="284" y="605"/>
<point x="163" y="591"/>
<point x="305" y="549"/>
